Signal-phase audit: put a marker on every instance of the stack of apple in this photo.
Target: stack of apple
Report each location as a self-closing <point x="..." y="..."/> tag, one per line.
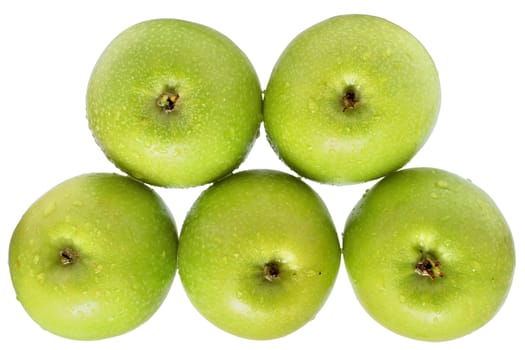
<point x="177" y="104"/>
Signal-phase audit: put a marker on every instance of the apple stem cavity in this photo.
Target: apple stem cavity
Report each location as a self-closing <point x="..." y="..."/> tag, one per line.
<point x="68" y="256"/>
<point x="271" y="271"/>
<point x="350" y="99"/>
<point x="429" y="266"/>
<point x="167" y="101"/>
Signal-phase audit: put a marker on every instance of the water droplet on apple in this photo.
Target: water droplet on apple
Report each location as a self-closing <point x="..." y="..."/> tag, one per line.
<point x="40" y="277"/>
<point x="442" y="184"/>
<point x="36" y="259"/>
<point x="312" y="106"/>
<point x="480" y="204"/>
<point x="434" y="195"/>
<point x="49" y="209"/>
<point x="85" y="309"/>
<point x="310" y="273"/>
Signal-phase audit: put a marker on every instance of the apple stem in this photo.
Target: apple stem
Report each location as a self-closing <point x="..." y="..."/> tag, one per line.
<point x="350" y="100"/>
<point x="429" y="266"/>
<point x="68" y="256"/>
<point x="271" y="271"/>
<point x="167" y="100"/>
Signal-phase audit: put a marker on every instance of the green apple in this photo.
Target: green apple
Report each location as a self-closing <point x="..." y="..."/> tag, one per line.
<point x="174" y="103"/>
<point x="94" y="257"/>
<point x="429" y="254"/>
<point x="351" y="99"/>
<point x="258" y="254"/>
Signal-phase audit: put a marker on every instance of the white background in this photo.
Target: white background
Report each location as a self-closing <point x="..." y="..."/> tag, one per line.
<point x="48" y="49"/>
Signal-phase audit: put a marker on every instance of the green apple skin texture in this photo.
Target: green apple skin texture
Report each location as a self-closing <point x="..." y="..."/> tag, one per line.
<point x="425" y="209"/>
<point x="125" y="240"/>
<point x="237" y="227"/>
<point x="397" y="90"/>
<point x="216" y="118"/>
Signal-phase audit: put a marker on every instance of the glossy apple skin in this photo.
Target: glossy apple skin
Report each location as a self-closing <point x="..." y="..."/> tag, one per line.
<point x="216" y="118"/>
<point x="125" y="240"/>
<point x="239" y="225"/>
<point x="430" y="210"/>
<point x="397" y="87"/>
